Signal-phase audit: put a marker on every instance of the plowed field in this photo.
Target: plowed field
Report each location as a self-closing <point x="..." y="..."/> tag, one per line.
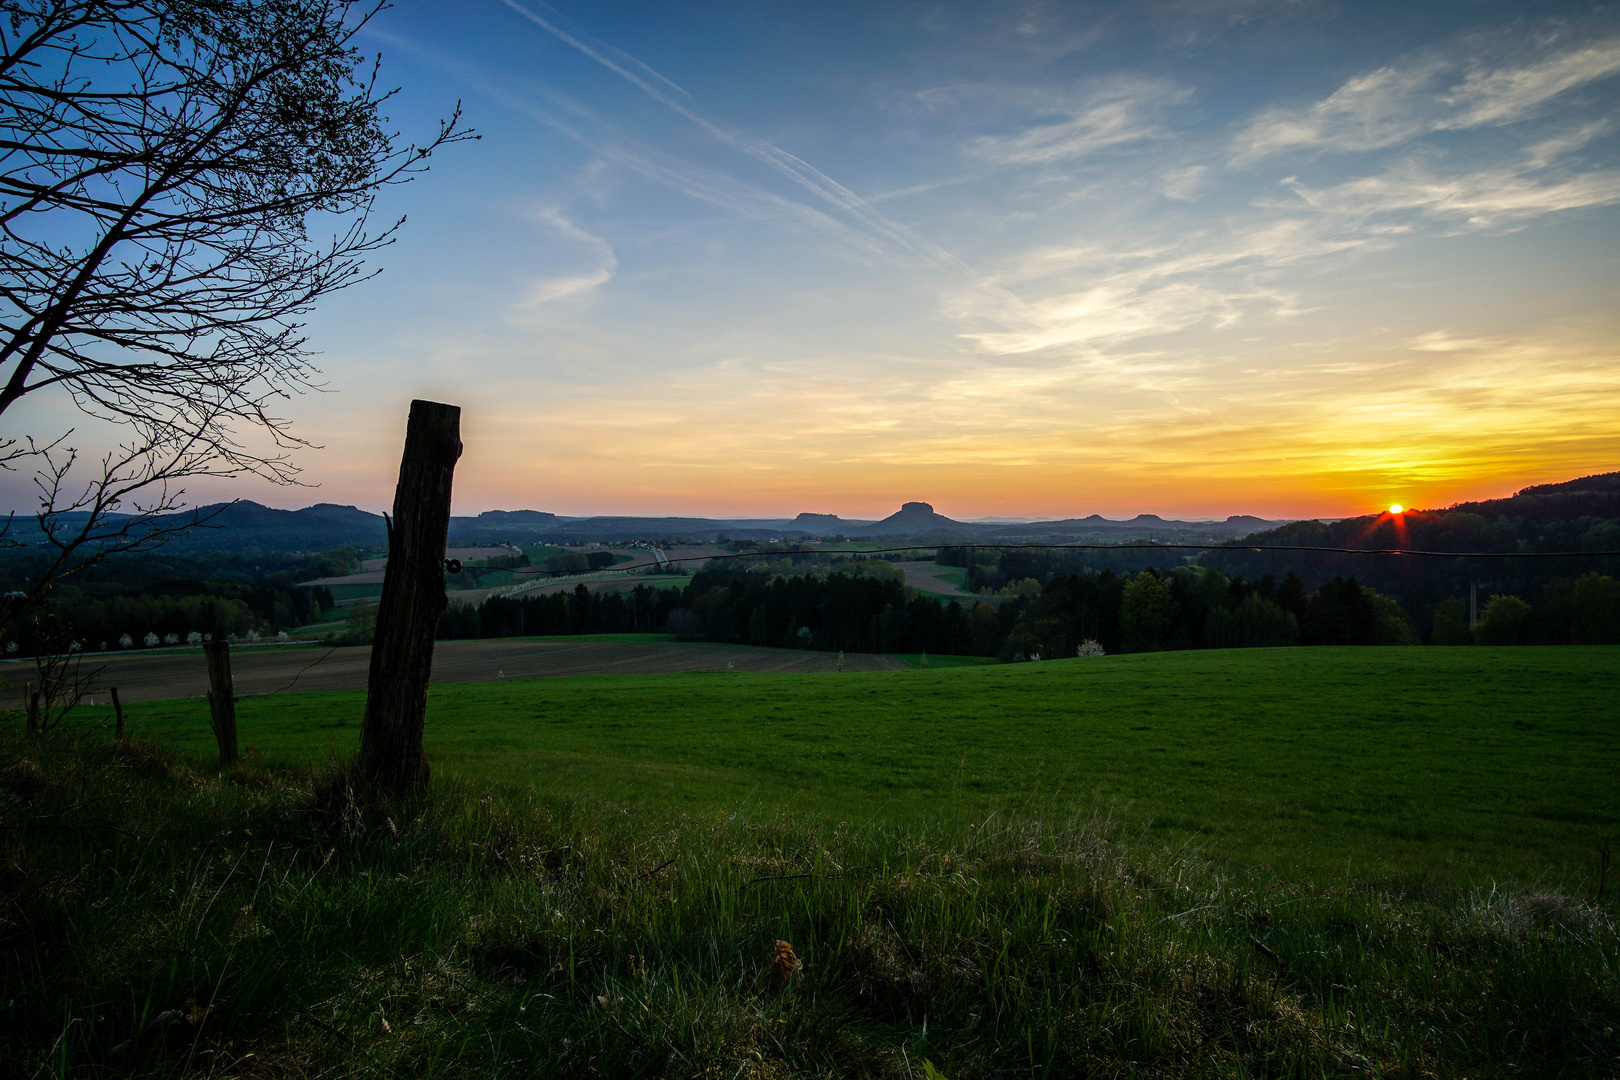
<point x="159" y="676"/>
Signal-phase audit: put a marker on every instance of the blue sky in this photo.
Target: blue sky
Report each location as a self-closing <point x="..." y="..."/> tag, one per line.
<point x="1192" y="258"/>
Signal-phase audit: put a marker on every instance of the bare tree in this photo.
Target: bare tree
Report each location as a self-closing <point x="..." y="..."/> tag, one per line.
<point x="61" y="680"/>
<point x="180" y="182"/>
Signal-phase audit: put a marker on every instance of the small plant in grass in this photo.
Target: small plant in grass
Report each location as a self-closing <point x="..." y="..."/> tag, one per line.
<point x="1090" y="647"/>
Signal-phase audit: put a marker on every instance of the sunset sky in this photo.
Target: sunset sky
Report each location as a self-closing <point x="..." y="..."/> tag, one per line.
<point x="1190" y="258"/>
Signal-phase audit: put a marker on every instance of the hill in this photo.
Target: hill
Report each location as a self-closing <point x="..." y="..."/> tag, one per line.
<point x="918" y="519"/>
<point x="1581" y="515"/>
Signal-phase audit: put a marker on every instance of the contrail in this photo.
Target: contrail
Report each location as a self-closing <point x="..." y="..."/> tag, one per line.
<point x="736" y="196"/>
<point x="860" y="225"/>
<point x="672" y="96"/>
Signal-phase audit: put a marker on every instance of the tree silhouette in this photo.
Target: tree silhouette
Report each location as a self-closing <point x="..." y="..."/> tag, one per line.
<point x="180" y="182"/>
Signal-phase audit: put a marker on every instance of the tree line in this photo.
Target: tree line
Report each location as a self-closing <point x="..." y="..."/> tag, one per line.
<point x="139" y="601"/>
<point x="1187" y="607"/>
<point x="1578" y="516"/>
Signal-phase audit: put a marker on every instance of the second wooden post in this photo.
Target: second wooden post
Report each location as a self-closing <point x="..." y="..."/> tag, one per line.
<point x="391" y="755"/>
<point x="222" y="699"/>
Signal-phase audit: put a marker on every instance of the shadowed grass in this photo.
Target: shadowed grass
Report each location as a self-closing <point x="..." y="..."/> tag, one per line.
<point x="160" y="920"/>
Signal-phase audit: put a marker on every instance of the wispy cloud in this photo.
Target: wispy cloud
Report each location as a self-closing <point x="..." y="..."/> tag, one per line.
<point x="1115" y="113"/>
<point x="1490" y="198"/>
<point x="1128" y="309"/>
<point x="1096" y="297"/>
<point x="572" y="119"/>
<point x="899" y="239"/>
<point x="599" y="257"/>
<point x="1438" y="92"/>
<point x="1185" y="184"/>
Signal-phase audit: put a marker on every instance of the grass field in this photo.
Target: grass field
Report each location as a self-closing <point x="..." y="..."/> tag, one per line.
<point x="1362" y="863"/>
<point x="1477" y="763"/>
<point x="940" y="662"/>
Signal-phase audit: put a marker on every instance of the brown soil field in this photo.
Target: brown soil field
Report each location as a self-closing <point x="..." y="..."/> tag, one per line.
<point x="159" y="676"/>
<point x="620" y="579"/>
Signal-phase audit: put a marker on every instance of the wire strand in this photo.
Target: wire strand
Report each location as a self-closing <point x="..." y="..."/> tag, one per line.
<point x="1130" y="546"/>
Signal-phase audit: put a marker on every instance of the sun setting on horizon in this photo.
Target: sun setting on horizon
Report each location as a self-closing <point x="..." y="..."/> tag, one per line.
<point x="1081" y="259"/>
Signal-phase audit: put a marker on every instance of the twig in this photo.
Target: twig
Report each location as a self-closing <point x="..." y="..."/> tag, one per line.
<point x="666" y="864"/>
<point x="1189" y="911"/>
<point x="777" y="877"/>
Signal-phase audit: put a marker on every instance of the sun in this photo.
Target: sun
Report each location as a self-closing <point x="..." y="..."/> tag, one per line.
<point x="1394" y="508"/>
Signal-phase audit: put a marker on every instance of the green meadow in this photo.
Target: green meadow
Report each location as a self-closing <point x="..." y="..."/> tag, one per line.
<point x="1288" y="863"/>
<point x="1471" y="762"/>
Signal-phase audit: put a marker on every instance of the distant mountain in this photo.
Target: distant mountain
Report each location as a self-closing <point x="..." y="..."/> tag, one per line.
<point x="514" y="517"/>
<point x="918" y="519"/>
<point x="825" y="524"/>
<point x="249" y="527"/>
<point x="1141" y="527"/>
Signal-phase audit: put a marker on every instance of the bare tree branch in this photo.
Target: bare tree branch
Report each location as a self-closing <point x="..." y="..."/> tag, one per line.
<point x="164" y="168"/>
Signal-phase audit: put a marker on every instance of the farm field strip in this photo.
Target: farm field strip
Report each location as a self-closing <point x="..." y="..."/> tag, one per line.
<point x="159" y="676"/>
<point x="926" y="577"/>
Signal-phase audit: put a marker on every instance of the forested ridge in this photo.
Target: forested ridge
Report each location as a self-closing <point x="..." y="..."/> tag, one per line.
<point x="119" y="602"/>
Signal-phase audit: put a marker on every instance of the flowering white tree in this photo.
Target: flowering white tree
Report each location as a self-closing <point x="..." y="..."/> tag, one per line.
<point x="194" y="638"/>
<point x="125" y="641"/>
<point x="150" y="639"/>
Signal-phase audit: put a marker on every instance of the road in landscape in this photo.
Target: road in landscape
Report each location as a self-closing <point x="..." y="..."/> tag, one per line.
<point x="157" y="676"/>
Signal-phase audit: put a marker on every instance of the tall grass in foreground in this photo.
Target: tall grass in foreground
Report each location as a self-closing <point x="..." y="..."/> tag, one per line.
<point x="159" y="920"/>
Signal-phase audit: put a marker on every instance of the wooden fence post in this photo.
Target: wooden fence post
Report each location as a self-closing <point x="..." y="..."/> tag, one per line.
<point x="118" y="713"/>
<point x="31" y="697"/>
<point x="222" y="700"/>
<point x="391" y="755"/>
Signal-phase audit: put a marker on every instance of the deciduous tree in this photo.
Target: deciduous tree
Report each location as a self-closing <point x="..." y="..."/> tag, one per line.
<point x="180" y="182"/>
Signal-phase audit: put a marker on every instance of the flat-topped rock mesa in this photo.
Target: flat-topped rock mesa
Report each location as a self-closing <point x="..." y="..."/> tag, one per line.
<point x="917" y="519"/>
<point x="515" y="517"/>
<point x="817" y="523"/>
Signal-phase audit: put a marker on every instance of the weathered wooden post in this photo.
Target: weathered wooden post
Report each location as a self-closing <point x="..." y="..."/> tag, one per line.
<point x="222" y="699"/>
<point x="118" y="714"/>
<point x="31" y="698"/>
<point x="391" y="754"/>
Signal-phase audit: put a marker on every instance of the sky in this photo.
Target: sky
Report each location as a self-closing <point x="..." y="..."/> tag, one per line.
<point x="1185" y="257"/>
